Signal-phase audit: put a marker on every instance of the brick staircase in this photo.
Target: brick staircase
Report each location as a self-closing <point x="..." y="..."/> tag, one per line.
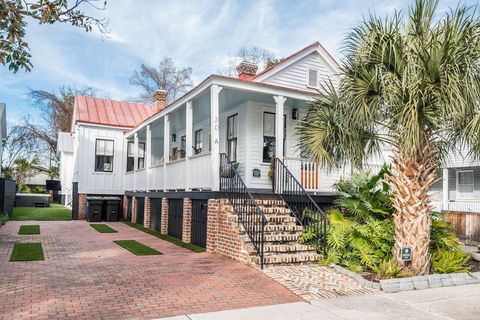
<point x="281" y="237"/>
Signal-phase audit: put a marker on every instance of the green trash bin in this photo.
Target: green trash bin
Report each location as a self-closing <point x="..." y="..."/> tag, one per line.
<point x="94" y="209"/>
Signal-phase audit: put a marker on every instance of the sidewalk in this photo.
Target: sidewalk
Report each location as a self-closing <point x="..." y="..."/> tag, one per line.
<point x="462" y="302"/>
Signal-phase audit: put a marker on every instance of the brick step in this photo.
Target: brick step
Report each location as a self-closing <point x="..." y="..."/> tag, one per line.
<point x="275" y="237"/>
<point x="285" y="227"/>
<point x="276" y="210"/>
<point x="270" y="203"/>
<point x="262" y="203"/>
<point x="270" y="218"/>
<point x="282" y="248"/>
<point x="287" y="258"/>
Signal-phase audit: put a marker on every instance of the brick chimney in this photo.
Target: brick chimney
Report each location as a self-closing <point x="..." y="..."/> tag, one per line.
<point x="160" y="99"/>
<point x="246" y="70"/>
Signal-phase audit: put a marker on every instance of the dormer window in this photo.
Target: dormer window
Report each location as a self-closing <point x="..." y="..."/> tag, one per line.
<point x="312" y="80"/>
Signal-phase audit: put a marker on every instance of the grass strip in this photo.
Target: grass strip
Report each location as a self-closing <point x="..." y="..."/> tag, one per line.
<point x="27" y="252"/>
<point x="137" y="248"/>
<point x="56" y="212"/>
<point x="103" y="228"/>
<point x="29" y="229"/>
<point x="166" y="237"/>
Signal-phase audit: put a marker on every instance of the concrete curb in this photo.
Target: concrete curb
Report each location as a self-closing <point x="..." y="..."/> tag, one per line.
<point x="413" y="283"/>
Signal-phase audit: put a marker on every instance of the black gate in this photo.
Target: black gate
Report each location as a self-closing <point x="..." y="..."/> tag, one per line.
<point x="175" y="218"/>
<point x="129" y="208"/>
<point x="156" y="218"/>
<point x="75" y="201"/>
<point x="140" y="210"/>
<point x="199" y="222"/>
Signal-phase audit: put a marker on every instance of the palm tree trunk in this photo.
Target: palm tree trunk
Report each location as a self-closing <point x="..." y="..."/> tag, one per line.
<point x="411" y="179"/>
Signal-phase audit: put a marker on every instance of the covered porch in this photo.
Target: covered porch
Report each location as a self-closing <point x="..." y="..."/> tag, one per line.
<point x="180" y="150"/>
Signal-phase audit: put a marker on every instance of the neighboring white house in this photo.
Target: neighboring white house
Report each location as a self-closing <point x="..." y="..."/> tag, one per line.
<point x="38" y="177"/>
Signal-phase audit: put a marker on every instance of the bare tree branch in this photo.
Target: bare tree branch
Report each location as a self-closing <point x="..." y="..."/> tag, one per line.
<point x="166" y="77"/>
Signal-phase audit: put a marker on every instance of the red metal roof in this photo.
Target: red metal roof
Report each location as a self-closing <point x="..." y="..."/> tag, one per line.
<point x="110" y="112"/>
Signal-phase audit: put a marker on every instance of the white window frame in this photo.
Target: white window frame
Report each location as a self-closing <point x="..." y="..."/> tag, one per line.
<point x="462" y="195"/>
<point x="317" y="86"/>
<point x="104" y="154"/>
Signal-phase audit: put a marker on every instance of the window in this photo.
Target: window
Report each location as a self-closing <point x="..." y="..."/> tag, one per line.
<point x="103" y="155"/>
<point x="183" y="143"/>
<point x="141" y="155"/>
<point x="130" y="156"/>
<point x="312" y="78"/>
<point x="465" y="184"/>
<point x="269" y="136"/>
<point x="198" y="141"/>
<point x="232" y="132"/>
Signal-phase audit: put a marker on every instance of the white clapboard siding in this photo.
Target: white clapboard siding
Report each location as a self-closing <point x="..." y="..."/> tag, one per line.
<point x="295" y="75"/>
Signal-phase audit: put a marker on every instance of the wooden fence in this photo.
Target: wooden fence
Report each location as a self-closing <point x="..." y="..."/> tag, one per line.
<point x="465" y="224"/>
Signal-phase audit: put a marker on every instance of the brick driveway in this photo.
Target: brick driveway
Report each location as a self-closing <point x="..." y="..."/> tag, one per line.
<point x="86" y="276"/>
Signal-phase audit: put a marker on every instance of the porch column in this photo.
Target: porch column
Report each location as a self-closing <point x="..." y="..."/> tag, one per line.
<point x="135" y="160"/>
<point x="166" y="148"/>
<point x="445" y="187"/>
<point x="188" y="142"/>
<point x="215" y="126"/>
<point x="148" y="154"/>
<point x="279" y="102"/>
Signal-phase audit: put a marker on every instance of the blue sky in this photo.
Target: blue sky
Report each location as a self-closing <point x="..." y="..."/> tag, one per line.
<point x="200" y="34"/>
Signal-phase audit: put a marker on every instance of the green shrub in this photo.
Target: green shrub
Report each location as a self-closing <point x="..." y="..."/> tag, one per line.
<point x="388" y="269"/>
<point x="361" y="232"/>
<point x="450" y="261"/>
<point x="3" y="218"/>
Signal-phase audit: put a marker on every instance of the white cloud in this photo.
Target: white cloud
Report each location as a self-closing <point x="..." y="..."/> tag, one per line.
<point x="203" y="34"/>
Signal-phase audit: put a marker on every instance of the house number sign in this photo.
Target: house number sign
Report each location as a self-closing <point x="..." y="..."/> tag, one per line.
<point x="256" y="173"/>
<point x="407" y="254"/>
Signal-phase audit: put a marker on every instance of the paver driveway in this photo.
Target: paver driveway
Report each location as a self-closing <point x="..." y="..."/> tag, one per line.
<point x="85" y="275"/>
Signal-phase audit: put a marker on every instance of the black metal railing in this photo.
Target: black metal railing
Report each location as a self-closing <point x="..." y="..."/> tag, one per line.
<point x="303" y="207"/>
<point x="250" y="215"/>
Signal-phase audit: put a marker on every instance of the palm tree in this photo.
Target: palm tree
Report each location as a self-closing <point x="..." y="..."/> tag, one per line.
<point x="24" y="169"/>
<point x="410" y="83"/>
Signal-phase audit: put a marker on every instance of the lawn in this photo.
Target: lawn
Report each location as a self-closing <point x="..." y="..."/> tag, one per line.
<point x="29" y="229"/>
<point x="55" y="212"/>
<point x="166" y="237"/>
<point x="103" y="228"/>
<point x="137" y="248"/>
<point x="27" y="252"/>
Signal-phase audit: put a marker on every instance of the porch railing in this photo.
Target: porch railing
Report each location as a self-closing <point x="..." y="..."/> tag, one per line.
<point x="250" y="215"/>
<point x="303" y="207"/>
<point x="176" y="174"/>
<point x="199" y="171"/>
<point x="309" y="174"/>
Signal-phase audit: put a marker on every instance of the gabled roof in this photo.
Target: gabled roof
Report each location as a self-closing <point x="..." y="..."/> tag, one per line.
<point x="110" y="112"/>
<point x="316" y="46"/>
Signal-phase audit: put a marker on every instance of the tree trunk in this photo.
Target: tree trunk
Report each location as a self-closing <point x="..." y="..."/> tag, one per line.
<point x="411" y="180"/>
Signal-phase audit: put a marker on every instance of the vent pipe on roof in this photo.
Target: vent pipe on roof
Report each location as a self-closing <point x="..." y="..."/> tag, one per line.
<point x="246" y="70"/>
<point x="160" y="99"/>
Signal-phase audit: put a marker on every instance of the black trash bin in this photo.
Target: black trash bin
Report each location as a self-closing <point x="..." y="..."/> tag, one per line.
<point x="112" y="208"/>
<point x="94" y="209"/>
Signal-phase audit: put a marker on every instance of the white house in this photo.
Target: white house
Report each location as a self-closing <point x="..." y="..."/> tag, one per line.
<point x="228" y="137"/>
<point x="178" y="147"/>
<point x="232" y="138"/>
